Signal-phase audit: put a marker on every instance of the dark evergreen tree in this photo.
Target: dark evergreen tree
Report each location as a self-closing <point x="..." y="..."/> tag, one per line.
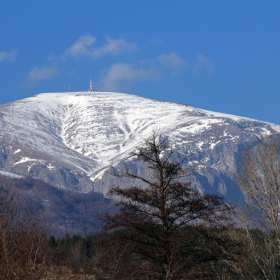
<point x="170" y="227"/>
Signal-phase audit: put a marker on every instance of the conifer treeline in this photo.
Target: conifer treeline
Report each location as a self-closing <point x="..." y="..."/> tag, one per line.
<point x="100" y="256"/>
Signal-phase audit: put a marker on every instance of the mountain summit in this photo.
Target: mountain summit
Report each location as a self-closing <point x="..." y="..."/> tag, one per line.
<point x="70" y="139"/>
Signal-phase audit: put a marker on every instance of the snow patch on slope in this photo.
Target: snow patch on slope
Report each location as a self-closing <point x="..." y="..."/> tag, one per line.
<point x="25" y="159"/>
<point x="93" y="130"/>
<point x="9" y="174"/>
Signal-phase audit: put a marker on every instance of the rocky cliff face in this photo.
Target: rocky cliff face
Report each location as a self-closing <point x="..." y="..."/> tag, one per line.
<point x="72" y="140"/>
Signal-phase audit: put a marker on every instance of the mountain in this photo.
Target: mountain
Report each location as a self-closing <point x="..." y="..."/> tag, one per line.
<point x="76" y="140"/>
<point x="64" y="211"/>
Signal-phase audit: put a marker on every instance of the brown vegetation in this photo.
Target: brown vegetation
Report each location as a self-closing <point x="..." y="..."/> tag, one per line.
<point x="166" y="230"/>
<point x="24" y="252"/>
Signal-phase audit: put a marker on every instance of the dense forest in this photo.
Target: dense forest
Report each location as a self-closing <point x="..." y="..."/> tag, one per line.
<point x="164" y="230"/>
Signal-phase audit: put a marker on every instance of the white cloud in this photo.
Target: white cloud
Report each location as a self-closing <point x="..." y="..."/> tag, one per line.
<point x="171" y="60"/>
<point x="37" y="74"/>
<point x="8" y="55"/>
<point x="204" y="63"/>
<point x="83" y="47"/>
<point x="120" y="73"/>
<point x="113" y="47"/>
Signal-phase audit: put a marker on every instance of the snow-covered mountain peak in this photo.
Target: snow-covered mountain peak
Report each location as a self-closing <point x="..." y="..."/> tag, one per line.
<point x="90" y="131"/>
<point x="99" y="125"/>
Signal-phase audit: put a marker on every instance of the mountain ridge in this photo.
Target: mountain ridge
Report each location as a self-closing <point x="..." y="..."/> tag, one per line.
<point x="71" y="139"/>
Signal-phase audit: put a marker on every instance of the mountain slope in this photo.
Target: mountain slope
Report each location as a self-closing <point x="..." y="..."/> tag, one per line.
<point x="71" y="139"/>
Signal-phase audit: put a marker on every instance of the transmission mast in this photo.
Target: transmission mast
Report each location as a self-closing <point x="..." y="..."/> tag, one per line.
<point x="90" y="85"/>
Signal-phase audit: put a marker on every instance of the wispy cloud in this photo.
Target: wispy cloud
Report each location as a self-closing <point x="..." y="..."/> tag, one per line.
<point x="204" y="63"/>
<point x="171" y="60"/>
<point x="114" y="47"/>
<point x="121" y="73"/>
<point x="83" y="47"/>
<point x="38" y="74"/>
<point x="12" y="55"/>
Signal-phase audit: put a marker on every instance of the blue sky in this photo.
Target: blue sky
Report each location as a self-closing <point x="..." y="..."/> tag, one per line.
<point x="218" y="55"/>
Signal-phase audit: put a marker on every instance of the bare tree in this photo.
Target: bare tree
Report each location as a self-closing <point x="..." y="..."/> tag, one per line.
<point x="171" y="227"/>
<point x="258" y="176"/>
<point x="24" y="248"/>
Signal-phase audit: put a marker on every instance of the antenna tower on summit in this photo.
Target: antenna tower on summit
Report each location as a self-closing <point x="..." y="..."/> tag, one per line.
<point x="90" y="85"/>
